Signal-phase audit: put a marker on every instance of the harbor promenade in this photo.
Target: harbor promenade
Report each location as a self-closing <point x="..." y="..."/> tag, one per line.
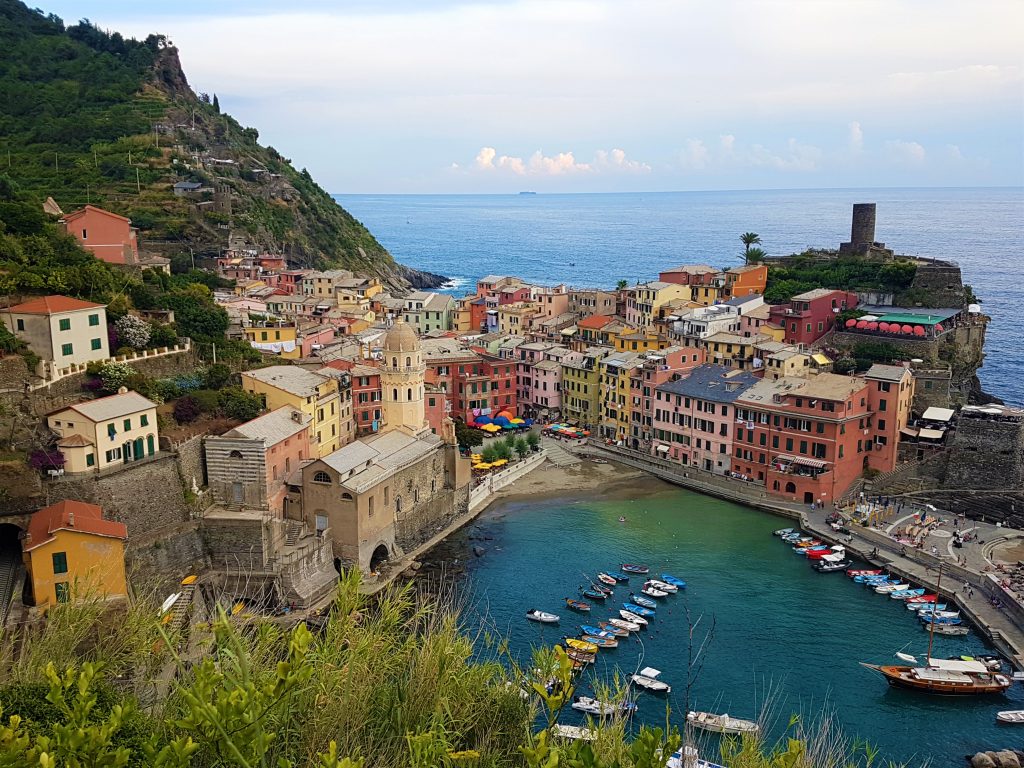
<point x="1003" y="625"/>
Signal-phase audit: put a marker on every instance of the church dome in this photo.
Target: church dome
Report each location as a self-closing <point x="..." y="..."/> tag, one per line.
<point x="401" y="338"/>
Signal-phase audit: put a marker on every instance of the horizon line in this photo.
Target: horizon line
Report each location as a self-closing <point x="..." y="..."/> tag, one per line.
<point x="536" y="193"/>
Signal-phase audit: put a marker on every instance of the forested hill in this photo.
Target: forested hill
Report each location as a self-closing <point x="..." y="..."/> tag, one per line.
<point x="92" y="117"/>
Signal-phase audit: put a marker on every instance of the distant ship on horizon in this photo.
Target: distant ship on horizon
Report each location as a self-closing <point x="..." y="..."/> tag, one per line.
<point x="527" y="193"/>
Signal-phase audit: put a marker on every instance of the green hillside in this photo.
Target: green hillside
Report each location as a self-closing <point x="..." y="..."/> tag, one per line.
<point x="92" y="117"/>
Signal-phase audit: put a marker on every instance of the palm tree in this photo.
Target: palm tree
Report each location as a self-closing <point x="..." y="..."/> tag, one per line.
<point x="754" y="255"/>
<point x="621" y="285"/>
<point x="748" y="239"/>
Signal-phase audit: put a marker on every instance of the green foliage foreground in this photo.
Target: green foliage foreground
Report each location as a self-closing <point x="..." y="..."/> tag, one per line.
<point x="391" y="681"/>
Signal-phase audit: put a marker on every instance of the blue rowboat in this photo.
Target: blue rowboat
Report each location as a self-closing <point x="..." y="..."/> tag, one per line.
<point x="639" y="610"/>
<point x="668" y="578"/>
<point x="927" y="607"/>
<point x="804" y="550"/>
<point x="595" y="631"/>
<point x="631" y="568"/>
<point x="619" y="577"/>
<point x="928" y="618"/>
<point x="644" y="601"/>
<point x="593" y="594"/>
<point x="903" y="594"/>
<point x="881" y="582"/>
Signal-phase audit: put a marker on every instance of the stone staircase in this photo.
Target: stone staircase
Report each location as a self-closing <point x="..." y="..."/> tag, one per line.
<point x="9" y="565"/>
<point x="558" y="455"/>
<point x="181" y="610"/>
<point x="293" y="532"/>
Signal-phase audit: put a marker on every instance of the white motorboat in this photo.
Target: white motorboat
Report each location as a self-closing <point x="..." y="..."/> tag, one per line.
<point x="632" y="617"/>
<point x="1011" y="716"/>
<point x="573" y="732"/>
<point x="688" y="757"/>
<point x="629" y="626"/>
<point x="950" y="629"/>
<point x="648" y="678"/>
<point x="653" y="592"/>
<point x="542" y="616"/>
<point x="885" y="589"/>
<point x="782" y="532"/>
<point x="709" y="721"/>
<point x="662" y="585"/>
<point x="602" y="708"/>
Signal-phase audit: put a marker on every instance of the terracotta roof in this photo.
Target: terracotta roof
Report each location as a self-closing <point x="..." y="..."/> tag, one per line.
<point x="71" y="515"/>
<point x="48" y="305"/>
<point x="81" y="211"/>
<point x="594" y="322"/>
<point x="74" y="441"/>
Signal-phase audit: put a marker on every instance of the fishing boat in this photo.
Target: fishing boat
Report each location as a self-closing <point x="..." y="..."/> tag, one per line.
<point x="601" y="642"/>
<point x="653" y="592"/>
<point x="604" y="578"/>
<point x="782" y="532"/>
<point x="577" y="605"/>
<point x="589" y="629"/>
<point x="610" y="629"/>
<point x="1011" y="716"/>
<point x="830" y="566"/>
<point x="581" y="657"/>
<point x="805" y="551"/>
<point x="630" y="568"/>
<point x="646" y="602"/>
<point x="931" y="618"/>
<point x="581" y="645"/>
<point x="542" y="616"/>
<point x="955" y="630"/>
<point x="921" y="608"/>
<point x="574" y="732"/>
<point x="817" y="554"/>
<point x="664" y="586"/>
<point x="668" y="578"/>
<point x="602" y="708"/>
<point x="871" y="578"/>
<point x="639" y="610"/>
<point x="708" y="721"/>
<point x="885" y="589"/>
<point x="648" y="678"/>
<point x="624" y="624"/>
<point x="922" y="599"/>
<point x="593" y="594"/>
<point x="864" y="572"/>
<point x="633" y="618"/>
<point x="620" y="578"/>
<point x="905" y="594"/>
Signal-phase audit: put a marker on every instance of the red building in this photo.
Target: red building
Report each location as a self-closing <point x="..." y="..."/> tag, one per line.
<point x="807" y="439"/>
<point x="472" y="381"/>
<point x="811" y="315"/>
<point x="290" y="281"/>
<point x="108" y="236"/>
<point x="366" y="395"/>
<point x="890" y="397"/>
<point x="691" y="274"/>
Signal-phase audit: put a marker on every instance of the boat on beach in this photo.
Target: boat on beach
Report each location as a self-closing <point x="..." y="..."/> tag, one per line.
<point x="646" y="602"/>
<point x="708" y="721"/>
<point x="633" y="618"/>
<point x="643" y="570"/>
<point x="648" y="678"/>
<point x="668" y="578"/>
<point x="577" y="605"/>
<point x="542" y="616"/>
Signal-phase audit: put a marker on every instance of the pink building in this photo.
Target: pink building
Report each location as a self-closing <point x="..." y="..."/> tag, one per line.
<point x="551" y="302"/>
<point x="694" y="417"/>
<point x="659" y="367"/>
<point x="314" y="338"/>
<point x="248" y="466"/>
<point x="108" y="236"/>
<point x="811" y="315"/>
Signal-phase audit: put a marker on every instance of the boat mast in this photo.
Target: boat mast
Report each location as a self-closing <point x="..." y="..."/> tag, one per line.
<point x="931" y="624"/>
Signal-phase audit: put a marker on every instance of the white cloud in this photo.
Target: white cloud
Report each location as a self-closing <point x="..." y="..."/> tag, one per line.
<point x="905" y="152"/>
<point x="728" y="143"/>
<point x="561" y="164"/>
<point x="954" y="154"/>
<point x="856" y="137"/>
<point x="695" y="155"/>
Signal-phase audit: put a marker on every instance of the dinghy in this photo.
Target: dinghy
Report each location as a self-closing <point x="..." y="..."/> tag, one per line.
<point x="620" y="578"/>
<point x="817" y="554"/>
<point x="905" y="594"/>
<point x="928" y="620"/>
<point x="639" y="610"/>
<point x="708" y="721"/>
<point x="604" y="578"/>
<point x="600" y="708"/>
<point x="938" y="615"/>
<point x="864" y="572"/>
<point x="610" y="629"/>
<point x="805" y="551"/>
<point x="633" y="618"/>
<point x="782" y="532"/>
<point x="923" y="608"/>
<point x="830" y="566"/>
<point x="885" y="589"/>
<point x="664" y="586"/>
<point x="542" y="616"/>
<point x="593" y="594"/>
<point x="589" y="629"/>
<point x="648" y="678"/>
<point x="644" y="601"/>
<point x="581" y="645"/>
<point x="956" y="630"/>
<point x="601" y="642"/>
<point x="630" y="568"/>
<point x="653" y="592"/>
<point x="577" y="605"/>
<point x="628" y="626"/>
<point x="1011" y="716"/>
<point x="574" y="732"/>
<point x="923" y="599"/>
<point x="581" y="657"/>
<point x="668" y="578"/>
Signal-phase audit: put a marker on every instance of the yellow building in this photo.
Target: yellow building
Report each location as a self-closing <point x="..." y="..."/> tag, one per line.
<point x="645" y="299"/>
<point x="70" y="548"/>
<point x="245" y="287"/>
<point x="271" y="337"/>
<point x="315" y="394"/>
<point x="581" y="386"/>
<point x="616" y="399"/>
<point x="104" y="433"/>
<point x="732" y="351"/>
<point x="706" y="295"/>
<point x="515" y="319"/>
<point x="639" y="342"/>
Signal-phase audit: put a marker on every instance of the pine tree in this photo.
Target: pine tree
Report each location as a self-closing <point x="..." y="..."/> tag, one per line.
<point x="216" y="104"/>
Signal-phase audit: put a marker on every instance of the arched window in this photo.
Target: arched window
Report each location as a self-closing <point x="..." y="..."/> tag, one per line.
<point x="235" y="455"/>
<point x="398" y="503"/>
<point x="321" y="477"/>
<point x="790" y="487"/>
<point x="394" y="362"/>
<point x="408" y="394"/>
<point x="394" y="394"/>
<point x="408" y="362"/>
<point x="346" y="496"/>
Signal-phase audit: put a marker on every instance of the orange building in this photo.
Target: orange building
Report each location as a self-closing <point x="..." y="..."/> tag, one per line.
<point x="69" y="546"/>
<point x="108" y="236"/>
<point x="746" y="280"/>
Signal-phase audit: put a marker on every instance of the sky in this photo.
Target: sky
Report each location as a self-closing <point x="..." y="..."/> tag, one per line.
<point x="498" y="96"/>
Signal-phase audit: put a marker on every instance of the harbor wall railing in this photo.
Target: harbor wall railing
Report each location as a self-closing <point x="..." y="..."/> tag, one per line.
<point x="482" y="494"/>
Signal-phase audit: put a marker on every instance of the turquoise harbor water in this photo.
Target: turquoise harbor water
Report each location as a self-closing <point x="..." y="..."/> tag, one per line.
<point x="596" y="239"/>
<point x="779" y="626"/>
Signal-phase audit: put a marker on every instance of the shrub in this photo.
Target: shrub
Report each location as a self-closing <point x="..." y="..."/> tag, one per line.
<point x="533" y="440"/>
<point x="207" y="399"/>
<point x="236" y="403"/>
<point x="43" y="459"/>
<point x="467" y="437"/>
<point x="166" y="389"/>
<point x="186" y="410"/>
<point x="114" y="375"/>
<point x="489" y="454"/>
<point x="503" y="450"/>
<point x="134" y="331"/>
<point x="162" y="335"/>
<point x="522" y="447"/>
<point x="216" y="376"/>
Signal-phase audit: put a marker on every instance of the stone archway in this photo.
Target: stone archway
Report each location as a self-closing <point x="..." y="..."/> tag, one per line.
<point x="379" y="557"/>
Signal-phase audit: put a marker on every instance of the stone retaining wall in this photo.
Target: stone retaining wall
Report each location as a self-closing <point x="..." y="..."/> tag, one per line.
<point x="483" y="493"/>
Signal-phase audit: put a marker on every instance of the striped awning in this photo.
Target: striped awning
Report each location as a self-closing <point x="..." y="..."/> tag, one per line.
<point x="816" y="463"/>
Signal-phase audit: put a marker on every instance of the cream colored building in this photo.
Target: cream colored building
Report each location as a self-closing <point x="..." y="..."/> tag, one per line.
<point x="61" y="330"/>
<point x="402" y="372"/>
<point x="105" y="433"/>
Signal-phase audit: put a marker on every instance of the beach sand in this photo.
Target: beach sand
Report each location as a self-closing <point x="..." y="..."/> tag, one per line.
<point x="611" y="479"/>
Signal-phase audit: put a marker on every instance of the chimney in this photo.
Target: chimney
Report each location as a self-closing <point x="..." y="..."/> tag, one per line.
<point x="297" y="417"/>
<point x="71" y="519"/>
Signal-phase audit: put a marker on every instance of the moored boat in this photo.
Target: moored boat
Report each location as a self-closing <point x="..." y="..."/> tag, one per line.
<point x="933" y="618"/>
<point x="708" y="721"/>
<point x="954" y="630"/>
<point x="600" y="641"/>
<point x="830" y="566"/>
<point x="604" y="578"/>
<point x="542" y="616"/>
<point x="805" y="551"/>
<point x="639" y="610"/>
<point x="1011" y="716"/>
<point x="623" y="624"/>
<point x="884" y="589"/>
<point x="620" y="578"/>
<point x="632" y="568"/>
<point x="581" y="645"/>
<point x="602" y="708"/>
<point x="589" y="629"/>
<point x="922" y="608"/>
<point x="668" y="578"/>
<point x="593" y="594"/>
<point x="608" y="628"/>
<point x="864" y="572"/>
<point x="944" y="676"/>
<point x="648" y="678"/>
<point x="664" y="586"/>
<point x="644" y="601"/>
<point x="577" y="605"/>
<point x="633" y="618"/>
<point x="574" y="732"/>
<point x="581" y="657"/>
<point x="782" y="532"/>
<point x="923" y="599"/>
<point x="817" y="554"/>
<point x="906" y="594"/>
<point x="653" y="592"/>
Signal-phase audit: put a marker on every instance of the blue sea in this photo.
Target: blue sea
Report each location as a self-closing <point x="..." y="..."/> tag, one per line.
<point x="598" y="239"/>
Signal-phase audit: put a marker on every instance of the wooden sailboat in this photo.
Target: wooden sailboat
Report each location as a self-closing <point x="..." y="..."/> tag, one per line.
<point x="946" y="677"/>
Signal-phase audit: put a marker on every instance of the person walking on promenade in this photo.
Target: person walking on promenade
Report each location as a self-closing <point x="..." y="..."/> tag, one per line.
<point x="966" y="586"/>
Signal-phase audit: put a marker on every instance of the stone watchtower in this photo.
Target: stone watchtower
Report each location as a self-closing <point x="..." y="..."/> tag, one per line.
<point x="401" y="381"/>
<point x="862" y="234"/>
